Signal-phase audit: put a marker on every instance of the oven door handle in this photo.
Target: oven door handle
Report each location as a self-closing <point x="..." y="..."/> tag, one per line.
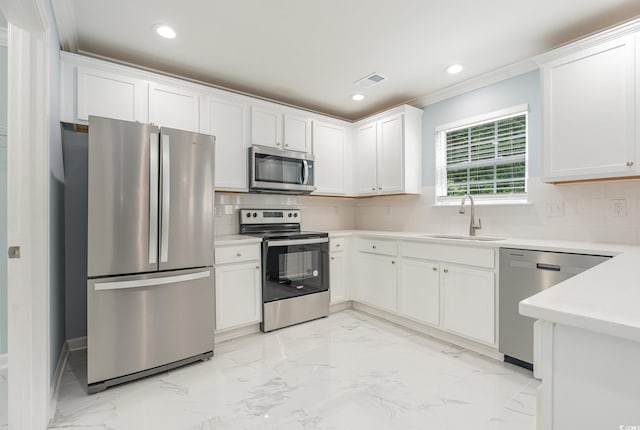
<point x="271" y="243"/>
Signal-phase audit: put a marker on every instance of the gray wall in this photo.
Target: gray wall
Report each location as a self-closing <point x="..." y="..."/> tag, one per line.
<point x="75" y="167"/>
<point x="510" y="92"/>
<point x="3" y="199"/>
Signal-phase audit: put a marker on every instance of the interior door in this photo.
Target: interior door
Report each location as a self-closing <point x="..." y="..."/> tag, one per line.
<point x="187" y="192"/>
<point x="122" y="197"/>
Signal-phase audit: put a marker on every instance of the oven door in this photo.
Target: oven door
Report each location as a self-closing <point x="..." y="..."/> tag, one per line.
<point x="295" y="267"/>
<point x="277" y="170"/>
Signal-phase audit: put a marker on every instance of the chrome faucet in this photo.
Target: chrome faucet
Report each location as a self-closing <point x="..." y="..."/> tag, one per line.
<point x="472" y="224"/>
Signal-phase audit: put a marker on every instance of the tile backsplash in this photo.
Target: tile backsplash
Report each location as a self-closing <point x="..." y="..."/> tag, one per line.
<point x="583" y="211"/>
<point x="318" y="213"/>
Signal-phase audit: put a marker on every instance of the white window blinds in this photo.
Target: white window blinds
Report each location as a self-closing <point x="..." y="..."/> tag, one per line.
<point x="486" y="158"/>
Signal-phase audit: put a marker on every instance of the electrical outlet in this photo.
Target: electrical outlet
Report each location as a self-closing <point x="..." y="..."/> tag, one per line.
<point x="618" y="207"/>
<point x="555" y="209"/>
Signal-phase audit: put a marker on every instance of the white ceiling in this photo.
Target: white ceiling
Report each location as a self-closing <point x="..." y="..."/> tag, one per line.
<point x="309" y="53"/>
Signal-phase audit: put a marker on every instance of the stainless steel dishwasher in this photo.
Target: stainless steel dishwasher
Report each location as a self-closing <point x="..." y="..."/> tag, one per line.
<point x="524" y="273"/>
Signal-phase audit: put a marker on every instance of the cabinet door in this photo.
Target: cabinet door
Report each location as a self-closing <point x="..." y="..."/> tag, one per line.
<point x="419" y="290"/>
<point x="590" y="113"/>
<point x="469" y="302"/>
<point x="238" y="295"/>
<point x="265" y="127"/>
<point x="174" y="108"/>
<point x="367" y="180"/>
<point x="377" y="281"/>
<point x="110" y="95"/>
<point x="297" y="133"/>
<point x="227" y="121"/>
<point x="329" y="153"/>
<point x="337" y="277"/>
<point x="390" y="155"/>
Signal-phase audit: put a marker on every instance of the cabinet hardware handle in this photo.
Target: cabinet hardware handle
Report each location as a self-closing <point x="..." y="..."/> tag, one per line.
<point x="435" y="269"/>
<point x="393" y="262"/>
<point x="446" y="270"/>
<point x="629" y="163"/>
<point x="338" y="245"/>
<point x="257" y="267"/>
<point x="380" y="188"/>
<point x="374" y="247"/>
<point x="238" y="255"/>
<point x="277" y="143"/>
<point x="333" y="258"/>
<point x="286" y="145"/>
<point x="373" y="189"/>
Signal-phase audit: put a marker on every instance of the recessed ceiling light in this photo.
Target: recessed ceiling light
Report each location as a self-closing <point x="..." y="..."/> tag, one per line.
<point x="165" y="31"/>
<point x="357" y="97"/>
<point x="454" y="68"/>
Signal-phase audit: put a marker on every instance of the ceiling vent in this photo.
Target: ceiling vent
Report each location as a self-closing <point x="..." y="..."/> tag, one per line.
<point x="371" y="80"/>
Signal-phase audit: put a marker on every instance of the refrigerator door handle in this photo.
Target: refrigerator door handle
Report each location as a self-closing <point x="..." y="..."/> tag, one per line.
<point x="166" y="206"/>
<point x="118" y="285"/>
<point x="153" y="197"/>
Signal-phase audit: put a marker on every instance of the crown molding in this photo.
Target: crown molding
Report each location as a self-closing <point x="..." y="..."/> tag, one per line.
<point x="65" y="17"/>
<point x="474" y="83"/>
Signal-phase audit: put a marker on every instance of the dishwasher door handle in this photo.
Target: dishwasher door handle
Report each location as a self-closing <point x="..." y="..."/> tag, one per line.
<point x="543" y="266"/>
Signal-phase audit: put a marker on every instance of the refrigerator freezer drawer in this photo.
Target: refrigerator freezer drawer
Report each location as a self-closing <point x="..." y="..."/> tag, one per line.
<point x="142" y="322"/>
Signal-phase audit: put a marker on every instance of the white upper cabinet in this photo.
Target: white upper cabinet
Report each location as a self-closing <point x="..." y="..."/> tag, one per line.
<point x="367" y="159"/>
<point x="297" y="133"/>
<point x="228" y="121"/>
<point x="590" y="115"/>
<point x="329" y="150"/>
<point x="174" y="107"/>
<point x="265" y="127"/>
<point x="270" y="126"/>
<point x="106" y="94"/>
<point x="389" y="153"/>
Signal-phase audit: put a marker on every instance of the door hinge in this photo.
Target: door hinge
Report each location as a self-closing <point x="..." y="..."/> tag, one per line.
<point x="14" y="252"/>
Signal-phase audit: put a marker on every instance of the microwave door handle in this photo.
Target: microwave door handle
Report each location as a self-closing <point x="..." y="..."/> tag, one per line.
<point x="305" y="172"/>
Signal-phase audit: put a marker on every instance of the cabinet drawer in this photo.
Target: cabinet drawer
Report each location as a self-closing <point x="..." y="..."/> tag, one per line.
<point x="378" y="246"/>
<point x="470" y="256"/>
<point x="236" y="254"/>
<point x="336" y="244"/>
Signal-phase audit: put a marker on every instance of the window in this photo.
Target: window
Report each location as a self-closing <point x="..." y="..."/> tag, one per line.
<point x="484" y="156"/>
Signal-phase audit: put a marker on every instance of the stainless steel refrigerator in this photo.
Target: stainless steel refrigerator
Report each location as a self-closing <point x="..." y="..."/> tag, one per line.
<point x="150" y="286"/>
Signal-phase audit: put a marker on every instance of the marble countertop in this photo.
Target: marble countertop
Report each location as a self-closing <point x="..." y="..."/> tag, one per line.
<point x="603" y="299"/>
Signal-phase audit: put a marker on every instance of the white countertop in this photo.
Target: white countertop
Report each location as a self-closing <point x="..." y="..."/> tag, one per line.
<point x="236" y="239"/>
<point x="604" y="299"/>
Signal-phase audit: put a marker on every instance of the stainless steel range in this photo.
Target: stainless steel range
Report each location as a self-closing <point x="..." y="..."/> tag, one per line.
<point x="295" y="267"/>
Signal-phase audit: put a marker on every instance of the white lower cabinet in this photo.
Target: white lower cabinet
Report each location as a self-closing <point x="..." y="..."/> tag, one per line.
<point x="377" y="281"/>
<point x="420" y="290"/>
<point x="238" y="291"/>
<point x="469" y="302"/>
<point x="337" y="277"/>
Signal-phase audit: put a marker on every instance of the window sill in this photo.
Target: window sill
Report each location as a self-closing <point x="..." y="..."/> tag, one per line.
<point x="450" y="203"/>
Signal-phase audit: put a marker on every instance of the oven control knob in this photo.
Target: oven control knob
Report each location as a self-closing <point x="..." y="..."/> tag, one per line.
<point x="255" y="214"/>
<point x="290" y="215"/>
<point x="295" y="215"/>
<point x="248" y="215"/>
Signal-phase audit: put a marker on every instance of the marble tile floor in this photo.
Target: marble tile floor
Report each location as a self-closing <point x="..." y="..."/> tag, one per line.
<point x="348" y="371"/>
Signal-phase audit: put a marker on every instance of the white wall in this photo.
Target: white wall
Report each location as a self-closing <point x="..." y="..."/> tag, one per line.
<point x="3" y="198"/>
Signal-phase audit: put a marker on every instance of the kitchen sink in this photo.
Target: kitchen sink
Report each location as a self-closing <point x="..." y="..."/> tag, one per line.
<point x="461" y="237"/>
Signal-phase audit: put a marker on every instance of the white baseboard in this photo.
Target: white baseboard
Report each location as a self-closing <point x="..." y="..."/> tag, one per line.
<point x="338" y="307"/>
<point x="76" y="343"/>
<point x="489" y="351"/>
<point x="4" y="361"/>
<point x="57" y="379"/>
<point x="223" y="336"/>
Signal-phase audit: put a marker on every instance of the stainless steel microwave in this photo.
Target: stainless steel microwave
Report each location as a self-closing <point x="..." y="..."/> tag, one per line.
<point x="276" y="171"/>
